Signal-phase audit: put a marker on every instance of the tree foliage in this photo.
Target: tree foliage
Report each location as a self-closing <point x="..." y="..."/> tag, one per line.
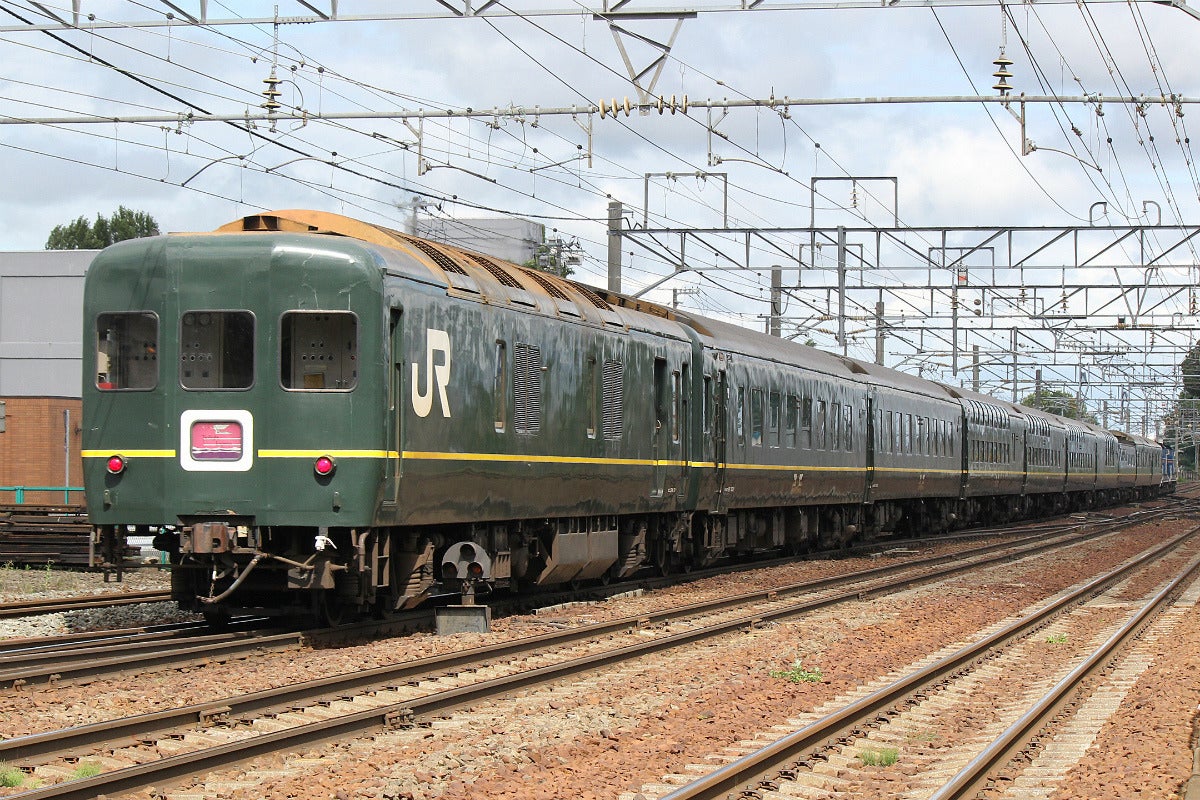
<point x="1059" y="402"/>
<point x="79" y="234"/>
<point x="1189" y="370"/>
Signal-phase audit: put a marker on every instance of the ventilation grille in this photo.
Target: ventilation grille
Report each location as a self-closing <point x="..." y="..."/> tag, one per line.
<point x="550" y="288"/>
<point x="441" y="259"/>
<point x="595" y="299"/>
<point x="527" y="388"/>
<point x="498" y="272"/>
<point x="614" y="377"/>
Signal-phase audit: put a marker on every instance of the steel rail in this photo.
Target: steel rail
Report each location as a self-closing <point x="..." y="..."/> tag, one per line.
<point x="37" y="645"/>
<point x="55" y="742"/>
<point x="747" y="772"/>
<point x="26" y="608"/>
<point x="114" y="658"/>
<point x="971" y="778"/>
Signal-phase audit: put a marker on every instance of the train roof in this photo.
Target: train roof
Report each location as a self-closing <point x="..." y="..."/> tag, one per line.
<point x="473" y="275"/>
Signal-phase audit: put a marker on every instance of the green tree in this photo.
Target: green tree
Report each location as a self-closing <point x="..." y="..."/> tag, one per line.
<point x="124" y="224"/>
<point x="1059" y="402"/>
<point x="1189" y="371"/>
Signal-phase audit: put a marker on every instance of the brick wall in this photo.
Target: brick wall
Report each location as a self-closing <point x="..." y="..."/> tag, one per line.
<point x="31" y="447"/>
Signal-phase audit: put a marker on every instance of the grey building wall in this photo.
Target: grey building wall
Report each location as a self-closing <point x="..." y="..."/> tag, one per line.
<point x="41" y="308"/>
<point x="514" y="240"/>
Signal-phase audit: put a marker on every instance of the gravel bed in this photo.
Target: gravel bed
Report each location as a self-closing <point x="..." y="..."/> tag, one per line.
<point x="43" y="584"/>
<point x="618" y="732"/>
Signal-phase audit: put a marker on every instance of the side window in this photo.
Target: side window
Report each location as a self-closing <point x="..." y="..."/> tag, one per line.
<point x="127" y="351"/>
<point x="756" y="417"/>
<point x="806" y="422"/>
<point x="500" y="386"/>
<point x="776" y="412"/>
<point x="318" y="350"/>
<point x="835" y="426"/>
<point x="820" y="425"/>
<point x="740" y="411"/>
<point x="216" y="350"/>
<point x="613" y="399"/>
<point x="793" y="411"/>
<point x="706" y="405"/>
<point x="848" y="426"/>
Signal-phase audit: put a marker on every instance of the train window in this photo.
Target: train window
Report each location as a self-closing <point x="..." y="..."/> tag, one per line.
<point x="820" y="425"/>
<point x="790" y="423"/>
<point x="613" y="389"/>
<point x="527" y="388"/>
<point x="127" y="350"/>
<point x="776" y="412"/>
<point x="216" y="350"/>
<point x="318" y="351"/>
<point x="741" y="416"/>
<point x="756" y="417"/>
<point x="806" y="422"/>
<point x="848" y="427"/>
<point x="500" y="387"/>
<point x="835" y="426"/>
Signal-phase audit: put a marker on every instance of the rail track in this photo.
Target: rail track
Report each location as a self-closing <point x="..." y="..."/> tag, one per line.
<point x="779" y="765"/>
<point x="92" y="655"/>
<point x="386" y="697"/>
<point x="25" y="608"/>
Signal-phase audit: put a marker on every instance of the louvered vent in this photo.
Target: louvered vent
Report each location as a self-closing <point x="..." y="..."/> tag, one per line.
<point x="550" y="288"/>
<point x="614" y="377"/>
<point x="498" y="272"/>
<point x="595" y="299"/>
<point x="527" y="388"/>
<point x="441" y="259"/>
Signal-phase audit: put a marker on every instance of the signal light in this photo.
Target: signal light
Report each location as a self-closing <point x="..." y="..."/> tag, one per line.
<point x="115" y="465"/>
<point x="324" y="466"/>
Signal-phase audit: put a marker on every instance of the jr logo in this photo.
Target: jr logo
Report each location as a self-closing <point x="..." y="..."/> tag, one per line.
<point x="435" y="342"/>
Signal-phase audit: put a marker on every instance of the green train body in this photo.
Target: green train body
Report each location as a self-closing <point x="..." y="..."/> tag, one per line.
<point x="311" y="413"/>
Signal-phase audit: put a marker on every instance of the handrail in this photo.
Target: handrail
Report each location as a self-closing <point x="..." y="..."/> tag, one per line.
<point x="19" y="491"/>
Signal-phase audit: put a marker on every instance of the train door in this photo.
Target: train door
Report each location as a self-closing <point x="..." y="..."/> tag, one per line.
<point x="869" y="443"/>
<point x="395" y="409"/>
<point x="661" y="436"/>
<point x="719" y="436"/>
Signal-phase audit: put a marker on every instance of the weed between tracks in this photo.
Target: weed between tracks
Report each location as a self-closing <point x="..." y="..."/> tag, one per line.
<point x="879" y="756"/>
<point x="11" y="777"/>
<point x="28" y="579"/>
<point x="797" y="673"/>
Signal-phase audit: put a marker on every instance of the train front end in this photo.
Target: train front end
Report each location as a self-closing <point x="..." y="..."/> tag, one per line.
<point x="234" y="409"/>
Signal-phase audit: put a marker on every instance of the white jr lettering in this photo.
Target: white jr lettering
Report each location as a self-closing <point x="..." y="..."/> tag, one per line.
<point x="439" y="342"/>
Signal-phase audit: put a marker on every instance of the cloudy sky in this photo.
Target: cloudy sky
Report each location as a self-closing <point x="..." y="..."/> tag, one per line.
<point x="955" y="164"/>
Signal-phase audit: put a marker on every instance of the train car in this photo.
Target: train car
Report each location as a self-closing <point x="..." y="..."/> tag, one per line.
<point x="314" y="414"/>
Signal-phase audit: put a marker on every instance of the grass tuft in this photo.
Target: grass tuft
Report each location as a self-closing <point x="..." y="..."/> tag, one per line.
<point x="879" y="756"/>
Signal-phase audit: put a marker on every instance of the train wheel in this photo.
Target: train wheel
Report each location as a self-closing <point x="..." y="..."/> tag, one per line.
<point x="217" y="617"/>
<point x="327" y="609"/>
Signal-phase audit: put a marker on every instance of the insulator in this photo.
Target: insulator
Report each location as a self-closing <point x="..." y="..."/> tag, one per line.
<point x="1002" y="86"/>
<point x="1002" y="73"/>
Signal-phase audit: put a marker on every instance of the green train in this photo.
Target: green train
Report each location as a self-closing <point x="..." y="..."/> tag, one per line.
<point x="313" y="414"/>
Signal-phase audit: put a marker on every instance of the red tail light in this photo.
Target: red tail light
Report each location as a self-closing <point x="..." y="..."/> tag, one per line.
<point x="324" y="466"/>
<point x="115" y="465"/>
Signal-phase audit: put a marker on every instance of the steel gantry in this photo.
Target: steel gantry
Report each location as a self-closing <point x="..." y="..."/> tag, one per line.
<point x="1103" y="312"/>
